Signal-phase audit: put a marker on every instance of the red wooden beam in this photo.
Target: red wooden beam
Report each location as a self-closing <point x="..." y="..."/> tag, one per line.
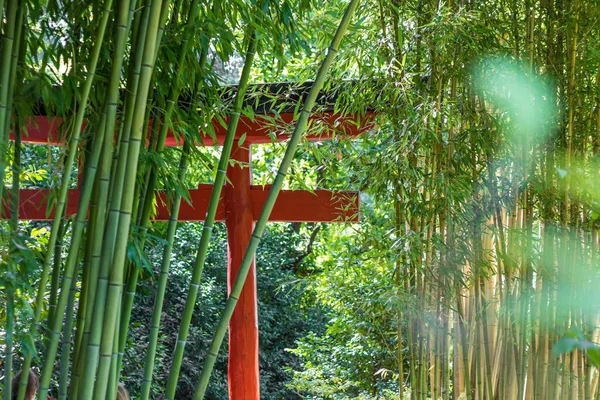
<point x="291" y="205"/>
<point x="261" y="129"/>
<point x="304" y="206"/>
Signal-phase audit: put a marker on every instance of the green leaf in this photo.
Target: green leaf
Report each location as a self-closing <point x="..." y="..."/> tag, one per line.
<point x="241" y="140"/>
<point x="38" y="231"/>
<point x="594" y="355"/>
<point x="564" y="345"/>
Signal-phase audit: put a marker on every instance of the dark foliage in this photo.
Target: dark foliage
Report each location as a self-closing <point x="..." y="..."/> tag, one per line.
<point x="286" y="313"/>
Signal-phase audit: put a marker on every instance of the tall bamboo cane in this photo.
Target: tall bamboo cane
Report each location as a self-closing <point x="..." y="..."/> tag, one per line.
<point x="14" y="220"/>
<point x="86" y="192"/>
<point x="260" y="226"/>
<point x="104" y="241"/>
<point x="210" y="215"/>
<point x="146" y="207"/>
<point x="8" y="42"/>
<point x="162" y="283"/>
<point x="81" y="215"/>
<point x="60" y="205"/>
<point x="56" y="269"/>
<point x="120" y="249"/>
<point x="12" y="268"/>
<point x="63" y="382"/>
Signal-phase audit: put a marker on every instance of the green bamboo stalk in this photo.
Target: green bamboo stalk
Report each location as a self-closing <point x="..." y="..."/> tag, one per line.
<point x="8" y="42"/>
<point x="162" y="283"/>
<point x="146" y="207"/>
<point x="113" y="381"/>
<point x="106" y="170"/>
<point x="462" y="326"/>
<point x="140" y="26"/>
<point x="55" y="281"/>
<point x="164" y="16"/>
<point x="128" y="189"/>
<point x="90" y="275"/>
<point x="486" y="341"/>
<point x="210" y="216"/>
<point x="79" y="224"/>
<point x="83" y="296"/>
<point x="17" y="56"/>
<point x="14" y="226"/>
<point x="8" y="360"/>
<point x="260" y="226"/>
<point x="399" y="223"/>
<point x="86" y="290"/>
<point x="91" y="338"/>
<point x="63" y="382"/>
<point x="14" y="218"/>
<point x="17" y="53"/>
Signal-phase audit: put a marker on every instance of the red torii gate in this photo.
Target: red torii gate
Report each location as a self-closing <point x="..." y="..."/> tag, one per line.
<point x="240" y="206"/>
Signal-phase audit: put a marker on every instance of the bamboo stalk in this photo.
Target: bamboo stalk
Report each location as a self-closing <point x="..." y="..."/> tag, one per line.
<point x="56" y="269"/>
<point x="86" y="291"/>
<point x="99" y="270"/>
<point x="259" y="228"/>
<point x="162" y="283"/>
<point x="88" y="285"/>
<point x="115" y="371"/>
<point x="99" y="265"/>
<point x="399" y="224"/>
<point x="63" y="382"/>
<point x="11" y="268"/>
<point x="91" y="168"/>
<point x="8" y="41"/>
<point x="146" y="204"/>
<point x="50" y="353"/>
<point x="14" y="220"/>
<point x="210" y="216"/>
<point x="120" y="247"/>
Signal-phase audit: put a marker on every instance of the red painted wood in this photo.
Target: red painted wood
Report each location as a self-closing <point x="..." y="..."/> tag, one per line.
<point x="243" y="370"/>
<point x="291" y="205"/>
<point x="239" y="207"/>
<point x="44" y="130"/>
<point x="304" y="206"/>
<point x="33" y="204"/>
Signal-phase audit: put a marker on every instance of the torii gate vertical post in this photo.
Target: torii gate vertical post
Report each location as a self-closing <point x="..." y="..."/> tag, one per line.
<point x="241" y="210"/>
<point x="243" y="367"/>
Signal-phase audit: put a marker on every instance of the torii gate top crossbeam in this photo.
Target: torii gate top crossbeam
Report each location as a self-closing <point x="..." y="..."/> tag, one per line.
<point x="269" y="102"/>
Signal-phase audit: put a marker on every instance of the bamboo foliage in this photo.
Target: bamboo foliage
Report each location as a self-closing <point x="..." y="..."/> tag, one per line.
<point x="261" y="223"/>
<point x="146" y="206"/>
<point x="493" y="215"/>
<point x="211" y="213"/>
<point x="518" y="241"/>
<point x="517" y="253"/>
<point x="102" y="230"/>
<point x="116" y="273"/>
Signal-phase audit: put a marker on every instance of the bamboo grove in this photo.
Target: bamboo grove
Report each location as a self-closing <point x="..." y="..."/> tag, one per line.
<point x="486" y="164"/>
<point x="109" y="67"/>
<point x="480" y="174"/>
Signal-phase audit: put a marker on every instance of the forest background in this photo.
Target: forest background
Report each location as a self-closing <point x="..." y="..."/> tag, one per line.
<point x="474" y="269"/>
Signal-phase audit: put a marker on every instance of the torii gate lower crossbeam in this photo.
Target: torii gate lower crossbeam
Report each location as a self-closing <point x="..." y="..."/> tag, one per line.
<point x="240" y="206"/>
